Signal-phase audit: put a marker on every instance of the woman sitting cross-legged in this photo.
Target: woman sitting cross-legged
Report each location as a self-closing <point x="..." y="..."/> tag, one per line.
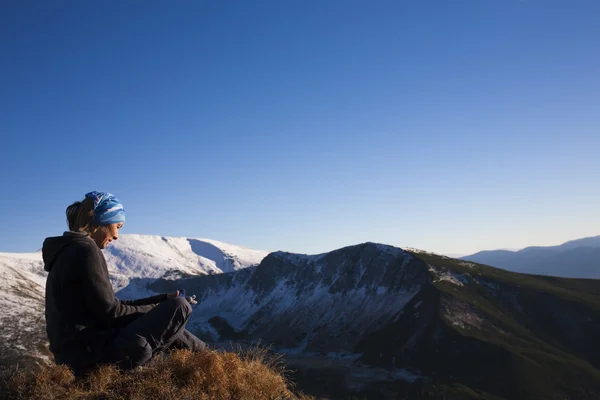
<point x="86" y="324"/>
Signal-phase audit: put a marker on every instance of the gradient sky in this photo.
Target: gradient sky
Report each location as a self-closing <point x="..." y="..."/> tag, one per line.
<point x="451" y="126"/>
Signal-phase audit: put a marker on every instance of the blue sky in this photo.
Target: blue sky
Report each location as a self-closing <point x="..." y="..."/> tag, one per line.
<point x="452" y="126"/>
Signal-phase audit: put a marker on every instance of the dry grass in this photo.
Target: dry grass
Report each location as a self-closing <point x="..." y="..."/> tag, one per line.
<point x="251" y="374"/>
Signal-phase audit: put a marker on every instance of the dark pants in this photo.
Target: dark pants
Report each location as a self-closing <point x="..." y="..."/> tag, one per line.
<point x="159" y="329"/>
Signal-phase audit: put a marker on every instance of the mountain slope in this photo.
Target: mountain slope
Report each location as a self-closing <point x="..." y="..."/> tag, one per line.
<point x="429" y="321"/>
<point x="574" y="259"/>
<point x="23" y="332"/>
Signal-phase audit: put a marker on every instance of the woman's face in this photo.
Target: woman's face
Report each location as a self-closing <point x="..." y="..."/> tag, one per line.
<point x="106" y="234"/>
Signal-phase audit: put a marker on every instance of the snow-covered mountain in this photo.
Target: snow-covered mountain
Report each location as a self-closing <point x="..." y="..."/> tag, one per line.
<point x="574" y="259"/>
<point x="144" y="256"/>
<point x="22" y="281"/>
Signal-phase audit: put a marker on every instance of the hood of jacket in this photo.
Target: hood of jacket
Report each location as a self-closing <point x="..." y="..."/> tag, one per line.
<point x="54" y="245"/>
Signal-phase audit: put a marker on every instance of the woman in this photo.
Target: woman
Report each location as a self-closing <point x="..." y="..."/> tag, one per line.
<point x="86" y="324"/>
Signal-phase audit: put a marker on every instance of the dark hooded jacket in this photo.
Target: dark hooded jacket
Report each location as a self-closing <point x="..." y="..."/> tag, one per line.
<point x="82" y="311"/>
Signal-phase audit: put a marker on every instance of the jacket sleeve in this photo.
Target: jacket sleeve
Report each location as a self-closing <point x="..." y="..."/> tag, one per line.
<point x="99" y="296"/>
<point x="159" y="298"/>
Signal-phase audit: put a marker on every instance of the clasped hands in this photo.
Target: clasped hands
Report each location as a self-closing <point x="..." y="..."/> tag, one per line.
<point x="181" y="293"/>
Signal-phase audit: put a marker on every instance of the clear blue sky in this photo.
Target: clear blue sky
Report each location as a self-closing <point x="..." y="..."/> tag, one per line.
<point x="451" y="126"/>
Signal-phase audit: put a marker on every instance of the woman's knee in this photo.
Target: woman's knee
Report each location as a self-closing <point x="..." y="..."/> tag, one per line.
<point x="180" y="303"/>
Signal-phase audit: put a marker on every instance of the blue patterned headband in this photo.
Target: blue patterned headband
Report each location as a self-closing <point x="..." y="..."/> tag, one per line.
<point x="107" y="208"/>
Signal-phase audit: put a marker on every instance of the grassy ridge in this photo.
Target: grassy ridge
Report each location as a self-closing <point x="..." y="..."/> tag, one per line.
<point x="210" y="375"/>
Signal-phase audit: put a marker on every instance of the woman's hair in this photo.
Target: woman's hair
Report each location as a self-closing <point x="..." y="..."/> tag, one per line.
<point x="80" y="217"/>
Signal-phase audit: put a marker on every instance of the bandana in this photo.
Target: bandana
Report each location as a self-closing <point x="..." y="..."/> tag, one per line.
<point x="107" y="208"/>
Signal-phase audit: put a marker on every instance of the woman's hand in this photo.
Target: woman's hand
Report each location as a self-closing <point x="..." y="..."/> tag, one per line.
<point x="172" y="295"/>
<point x="181" y="293"/>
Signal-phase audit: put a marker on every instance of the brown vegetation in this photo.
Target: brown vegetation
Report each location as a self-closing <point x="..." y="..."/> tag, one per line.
<point x="182" y="375"/>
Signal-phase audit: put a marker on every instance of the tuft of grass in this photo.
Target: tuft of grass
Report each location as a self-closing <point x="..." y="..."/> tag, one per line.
<point x="252" y="374"/>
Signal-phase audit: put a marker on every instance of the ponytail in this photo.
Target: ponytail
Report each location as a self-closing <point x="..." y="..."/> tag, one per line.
<point x="80" y="216"/>
<point x="72" y="215"/>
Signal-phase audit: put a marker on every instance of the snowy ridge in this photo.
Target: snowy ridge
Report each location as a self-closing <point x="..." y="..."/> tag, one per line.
<point x="144" y="256"/>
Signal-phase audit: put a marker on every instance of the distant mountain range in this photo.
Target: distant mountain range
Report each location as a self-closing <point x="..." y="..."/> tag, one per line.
<point x="367" y="320"/>
<point x="574" y="259"/>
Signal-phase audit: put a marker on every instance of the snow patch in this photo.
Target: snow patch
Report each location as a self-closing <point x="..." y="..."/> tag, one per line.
<point x="462" y="314"/>
<point x="419" y="251"/>
<point x="443" y="275"/>
<point x="467" y="264"/>
<point x="390" y="250"/>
